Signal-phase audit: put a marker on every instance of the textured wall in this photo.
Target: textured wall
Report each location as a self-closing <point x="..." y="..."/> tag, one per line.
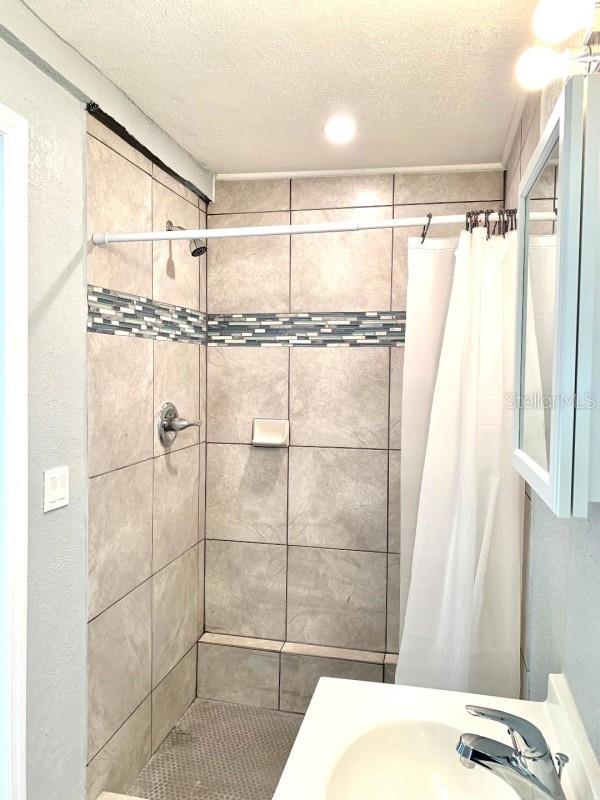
<point x="561" y="576"/>
<point x="57" y="311"/>
<point x="146" y="503"/>
<point x="303" y="545"/>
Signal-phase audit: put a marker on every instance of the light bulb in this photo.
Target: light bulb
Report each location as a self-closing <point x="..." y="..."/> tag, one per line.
<point x="539" y="66"/>
<point x="554" y="21"/>
<point x="340" y="129"/>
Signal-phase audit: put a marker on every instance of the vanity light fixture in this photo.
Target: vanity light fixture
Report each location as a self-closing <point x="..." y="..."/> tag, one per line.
<point x="539" y="66"/>
<point x="555" y="21"/>
<point x="340" y="129"/>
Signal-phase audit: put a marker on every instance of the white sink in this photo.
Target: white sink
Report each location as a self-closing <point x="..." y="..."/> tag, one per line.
<point x="411" y="759"/>
<point x="370" y="741"/>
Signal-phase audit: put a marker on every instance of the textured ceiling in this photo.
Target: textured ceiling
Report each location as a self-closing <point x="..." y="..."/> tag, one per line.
<point x="246" y="85"/>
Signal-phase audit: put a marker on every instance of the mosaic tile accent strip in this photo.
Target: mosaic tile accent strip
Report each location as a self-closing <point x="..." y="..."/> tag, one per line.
<point x="329" y="329"/>
<point x="118" y="313"/>
<point x="123" y="314"/>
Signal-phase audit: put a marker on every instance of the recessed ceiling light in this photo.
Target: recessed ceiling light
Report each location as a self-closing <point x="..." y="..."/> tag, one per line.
<point x="340" y="129"/>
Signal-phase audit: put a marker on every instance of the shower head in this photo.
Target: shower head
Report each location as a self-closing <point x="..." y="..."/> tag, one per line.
<point x="197" y="246"/>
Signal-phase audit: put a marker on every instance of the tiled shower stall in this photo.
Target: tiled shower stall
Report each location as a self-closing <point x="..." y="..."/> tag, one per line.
<point x="219" y="569"/>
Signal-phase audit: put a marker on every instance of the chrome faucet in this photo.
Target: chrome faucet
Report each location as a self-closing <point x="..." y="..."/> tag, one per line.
<point x="528" y="766"/>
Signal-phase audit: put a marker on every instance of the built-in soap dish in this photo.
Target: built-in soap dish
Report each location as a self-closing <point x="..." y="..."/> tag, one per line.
<point x="271" y="432"/>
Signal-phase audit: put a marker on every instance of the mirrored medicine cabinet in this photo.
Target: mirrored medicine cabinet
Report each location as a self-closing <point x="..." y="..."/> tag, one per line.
<point x="557" y="358"/>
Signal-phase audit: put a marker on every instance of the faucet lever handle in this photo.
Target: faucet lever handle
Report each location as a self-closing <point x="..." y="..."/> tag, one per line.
<point x="535" y="745"/>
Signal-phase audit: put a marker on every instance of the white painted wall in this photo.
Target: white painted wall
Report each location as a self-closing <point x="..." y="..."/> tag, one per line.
<point x="562" y="609"/>
<point x="56" y="676"/>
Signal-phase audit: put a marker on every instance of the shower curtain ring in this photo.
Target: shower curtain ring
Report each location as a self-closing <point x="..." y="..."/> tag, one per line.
<point x="426" y="227"/>
<point x="502" y="219"/>
<point x="487" y="223"/>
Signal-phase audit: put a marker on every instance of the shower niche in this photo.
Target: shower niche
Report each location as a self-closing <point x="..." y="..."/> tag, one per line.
<point x="557" y="368"/>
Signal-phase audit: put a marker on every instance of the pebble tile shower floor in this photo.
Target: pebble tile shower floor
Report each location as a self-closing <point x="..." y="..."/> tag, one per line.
<point x="220" y="751"/>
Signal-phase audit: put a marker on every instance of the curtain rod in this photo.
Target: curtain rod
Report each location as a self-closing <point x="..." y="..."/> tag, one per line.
<point x="287" y="230"/>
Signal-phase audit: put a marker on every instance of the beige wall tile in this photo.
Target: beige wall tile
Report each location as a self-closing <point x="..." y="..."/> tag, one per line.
<point x="201" y="570"/>
<point x="339" y="397"/>
<point x="175" y="186"/>
<point x="396" y="378"/>
<point x="512" y="162"/>
<point x="177" y="380"/>
<point x="172" y="697"/>
<point x="401" y="236"/>
<point x="393" y="603"/>
<point x="176" y="273"/>
<point x="174" y="613"/>
<point x="247" y="493"/>
<point x="530" y="119"/>
<point x="120" y="415"/>
<point x="119" y="534"/>
<point x="336" y="597"/>
<point x="203" y="269"/>
<point x="99" y="131"/>
<point x="120" y="761"/>
<point x="175" y="505"/>
<point x="324" y="651"/>
<point x="271" y="645"/>
<point x="530" y="142"/>
<point x="342" y="192"/>
<point x="244" y="385"/>
<point x="250" y="273"/>
<point x="389" y="668"/>
<point x="394" y="502"/>
<point x="202" y="492"/>
<point x="300" y="675"/>
<point x="338" y="498"/>
<point x="238" y="675"/>
<point x="341" y="271"/>
<point x="447" y="187"/>
<point x="203" y="375"/>
<point x="118" y="665"/>
<point x="245" y="589"/>
<point x="127" y="267"/>
<point x="512" y="192"/>
<point x="545" y="188"/>
<point x="234" y="197"/>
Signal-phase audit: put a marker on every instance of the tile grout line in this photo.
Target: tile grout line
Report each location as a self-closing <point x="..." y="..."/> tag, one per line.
<point x="141" y="583"/>
<point x="295" y="544"/>
<point x="142" y="460"/>
<point x="137" y="708"/>
<point x="314" y="446"/>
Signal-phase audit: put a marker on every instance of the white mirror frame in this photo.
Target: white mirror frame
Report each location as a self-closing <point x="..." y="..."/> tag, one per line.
<point x="565" y="126"/>
<point x="586" y="461"/>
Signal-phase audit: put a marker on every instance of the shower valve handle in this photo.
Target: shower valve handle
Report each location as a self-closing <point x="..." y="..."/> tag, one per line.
<point x="170" y="423"/>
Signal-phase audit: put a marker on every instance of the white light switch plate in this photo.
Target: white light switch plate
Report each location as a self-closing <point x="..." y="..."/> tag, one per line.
<point x="56" y="488"/>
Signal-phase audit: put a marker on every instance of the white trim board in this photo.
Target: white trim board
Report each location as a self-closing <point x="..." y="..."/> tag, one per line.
<point x="339" y="173"/>
<point x="14" y="130"/>
<point x="26" y="32"/>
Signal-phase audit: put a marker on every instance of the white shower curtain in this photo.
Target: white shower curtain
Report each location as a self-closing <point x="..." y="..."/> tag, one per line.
<point x="462" y="622"/>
